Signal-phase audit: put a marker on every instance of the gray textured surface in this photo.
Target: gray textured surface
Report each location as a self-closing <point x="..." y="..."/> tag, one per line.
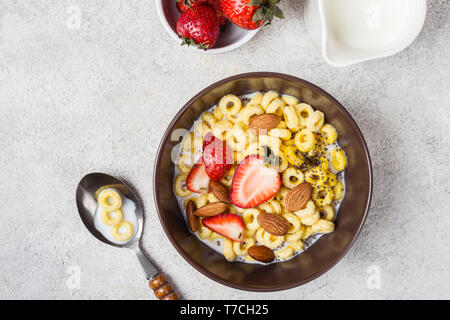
<point x="99" y="98"/>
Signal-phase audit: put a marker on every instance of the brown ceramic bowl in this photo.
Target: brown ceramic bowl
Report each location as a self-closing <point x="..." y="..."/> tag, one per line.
<point x="323" y="254"/>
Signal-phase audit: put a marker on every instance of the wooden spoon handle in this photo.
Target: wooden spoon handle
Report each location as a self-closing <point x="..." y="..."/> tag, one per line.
<point x="162" y="288"/>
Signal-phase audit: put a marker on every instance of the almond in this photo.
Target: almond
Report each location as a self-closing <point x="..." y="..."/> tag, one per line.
<point x="211" y="209"/>
<point x="220" y="191"/>
<point x="192" y="220"/>
<point x="261" y="253"/>
<point x="264" y="121"/>
<point x="297" y="197"/>
<point x="274" y="224"/>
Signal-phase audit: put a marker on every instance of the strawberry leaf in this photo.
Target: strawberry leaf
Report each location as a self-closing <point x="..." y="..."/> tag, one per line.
<point x="266" y="11"/>
<point x="191" y="42"/>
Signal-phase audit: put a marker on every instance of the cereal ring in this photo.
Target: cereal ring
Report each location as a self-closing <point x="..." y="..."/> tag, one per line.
<point x="284" y="134"/>
<point x="293" y="237"/>
<point x="316" y="177"/>
<point x="249" y="111"/>
<point x="311" y="219"/>
<point x="276" y="107"/>
<point x="285" y="253"/>
<point x="281" y="125"/>
<point x="180" y="186"/>
<point x="294" y="222"/>
<point x="267" y="207"/>
<point x="240" y="248"/>
<point x="259" y="236"/>
<point x="291" y="118"/>
<point x="319" y="147"/>
<point x="257" y="98"/>
<point x="116" y="231"/>
<point x="209" y="119"/>
<point x="211" y="197"/>
<point x="201" y="201"/>
<point x="290" y="100"/>
<point x="203" y="232"/>
<point x="307" y="211"/>
<point x="338" y="159"/>
<point x="327" y="213"/>
<point x="182" y="163"/>
<point x="231" y="118"/>
<point x="281" y="194"/>
<point x="250" y="217"/>
<point x="111" y="218"/>
<point x="187" y="145"/>
<point x="304" y="111"/>
<point x="228" y="179"/>
<point x="238" y="138"/>
<point x="292" y="177"/>
<point x="293" y="157"/>
<point x="338" y="190"/>
<point x="201" y="129"/>
<point x="305" y="140"/>
<point x="283" y="163"/>
<point x="329" y="132"/>
<point x="213" y="236"/>
<point x="268" y="98"/>
<point x="228" y="251"/>
<point x="222" y="129"/>
<point x="272" y="241"/>
<point x="308" y="233"/>
<point x="297" y="245"/>
<point x="254" y="148"/>
<point x="230" y="104"/>
<point x="323" y="226"/>
<point x="322" y="195"/>
<point x="110" y="200"/>
<point x="276" y="206"/>
<point x="218" y="114"/>
<point x="315" y="121"/>
<point x="324" y="163"/>
<point x="331" y="179"/>
<point x="249" y="233"/>
<point x="273" y="143"/>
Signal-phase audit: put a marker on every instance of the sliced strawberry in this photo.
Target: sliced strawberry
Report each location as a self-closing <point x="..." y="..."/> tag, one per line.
<point x="198" y="181"/>
<point x="254" y="182"/>
<point x="228" y="225"/>
<point x="217" y="157"/>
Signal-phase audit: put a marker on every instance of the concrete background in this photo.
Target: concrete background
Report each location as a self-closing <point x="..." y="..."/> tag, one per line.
<point x="98" y="98"/>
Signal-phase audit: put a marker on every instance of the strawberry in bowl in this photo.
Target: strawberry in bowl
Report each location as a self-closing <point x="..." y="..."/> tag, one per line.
<point x="183" y="19"/>
<point x="251" y="14"/>
<point x="199" y="27"/>
<point x="254" y="182"/>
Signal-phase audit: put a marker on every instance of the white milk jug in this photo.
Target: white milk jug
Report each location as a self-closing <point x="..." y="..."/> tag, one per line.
<point x="352" y="31"/>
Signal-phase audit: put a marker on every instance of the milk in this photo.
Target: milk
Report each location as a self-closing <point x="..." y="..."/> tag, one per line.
<point x="367" y="25"/>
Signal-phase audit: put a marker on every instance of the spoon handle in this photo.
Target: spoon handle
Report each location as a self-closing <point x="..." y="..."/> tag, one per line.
<point x="162" y="288"/>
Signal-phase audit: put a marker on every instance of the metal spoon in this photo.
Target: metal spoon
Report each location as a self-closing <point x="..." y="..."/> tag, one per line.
<point x="87" y="205"/>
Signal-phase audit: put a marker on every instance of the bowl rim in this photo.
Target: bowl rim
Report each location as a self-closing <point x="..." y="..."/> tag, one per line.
<point x="156" y="176"/>
<point x="249" y="34"/>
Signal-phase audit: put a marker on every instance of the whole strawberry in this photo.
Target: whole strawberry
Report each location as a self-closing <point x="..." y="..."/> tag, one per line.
<point x="184" y="5"/>
<point x="198" y="27"/>
<point x="220" y="15"/>
<point x="251" y="14"/>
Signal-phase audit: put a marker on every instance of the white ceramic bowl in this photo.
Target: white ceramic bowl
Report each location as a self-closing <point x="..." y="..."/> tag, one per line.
<point x="233" y="37"/>
<point x="338" y="55"/>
